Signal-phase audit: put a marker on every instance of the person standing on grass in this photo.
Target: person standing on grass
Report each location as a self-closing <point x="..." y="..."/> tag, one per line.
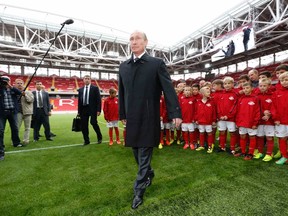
<point x="25" y="106"/>
<point x="89" y="106"/>
<point x="110" y="109"/>
<point x="142" y="78"/>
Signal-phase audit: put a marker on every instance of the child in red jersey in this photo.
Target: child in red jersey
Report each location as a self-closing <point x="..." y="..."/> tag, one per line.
<point x="110" y="110"/>
<point x="278" y="71"/>
<point x="205" y="118"/>
<point x="241" y="81"/>
<point x="226" y="105"/>
<point x="188" y="112"/>
<point x="166" y="123"/>
<point x="180" y="89"/>
<point x="247" y="120"/>
<point x="196" y="96"/>
<point x="280" y="116"/>
<point x="266" y="125"/>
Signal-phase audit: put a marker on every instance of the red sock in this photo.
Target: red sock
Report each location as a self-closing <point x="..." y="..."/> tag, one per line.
<point x="270" y="146"/>
<point x="111" y="134"/>
<point x="210" y="139"/>
<point x="202" y="139"/>
<point x="178" y="134"/>
<point x="283" y="147"/>
<point x="252" y="145"/>
<point x="191" y="137"/>
<point x="117" y="133"/>
<point x="185" y="136"/>
<point x="243" y="145"/>
<point x="233" y="138"/>
<point x="222" y="139"/>
<point x="161" y="136"/>
<point x="260" y="144"/>
<point x="167" y="131"/>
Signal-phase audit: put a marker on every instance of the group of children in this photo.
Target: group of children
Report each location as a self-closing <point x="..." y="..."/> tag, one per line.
<point x="251" y="115"/>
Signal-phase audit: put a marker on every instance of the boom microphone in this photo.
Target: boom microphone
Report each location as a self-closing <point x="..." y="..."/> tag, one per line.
<point x="68" y="22"/>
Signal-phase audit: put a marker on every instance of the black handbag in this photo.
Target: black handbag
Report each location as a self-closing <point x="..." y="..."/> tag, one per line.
<point x="76" y="124"/>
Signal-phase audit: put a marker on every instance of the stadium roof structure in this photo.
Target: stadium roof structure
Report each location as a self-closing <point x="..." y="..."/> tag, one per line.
<point x="87" y="46"/>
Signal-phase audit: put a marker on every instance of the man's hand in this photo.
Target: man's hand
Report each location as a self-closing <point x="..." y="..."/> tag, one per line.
<point x="123" y="121"/>
<point x="98" y="113"/>
<point x="177" y="122"/>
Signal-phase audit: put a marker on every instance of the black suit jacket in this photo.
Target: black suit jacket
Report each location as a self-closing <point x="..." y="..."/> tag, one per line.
<point x="140" y="87"/>
<point x="46" y="102"/>
<point x="94" y="102"/>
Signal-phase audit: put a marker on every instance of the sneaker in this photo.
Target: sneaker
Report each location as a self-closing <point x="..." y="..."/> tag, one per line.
<point x="281" y="161"/>
<point x="267" y="158"/>
<point x="258" y="155"/>
<point x="210" y="149"/>
<point x="167" y="143"/>
<point x="111" y="143"/>
<point x="160" y="146"/>
<point x="200" y="148"/>
<point x="255" y="152"/>
<point x="220" y="150"/>
<point x="118" y="142"/>
<point x="192" y="147"/>
<point x="277" y="155"/>
<point x="232" y="152"/>
<point x="178" y="142"/>
<point x="19" y="145"/>
<point x="172" y="141"/>
<point x="248" y="157"/>
<point x="239" y="154"/>
<point x="186" y="146"/>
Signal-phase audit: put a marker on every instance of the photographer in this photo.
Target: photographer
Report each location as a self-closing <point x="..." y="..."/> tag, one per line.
<point x="8" y="111"/>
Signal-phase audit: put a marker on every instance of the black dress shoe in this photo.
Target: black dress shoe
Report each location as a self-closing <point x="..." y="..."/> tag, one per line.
<point x="149" y="179"/>
<point x="49" y="139"/>
<point x="86" y="143"/>
<point x="99" y="141"/>
<point x="137" y="201"/>
<point x="52" y="135"/>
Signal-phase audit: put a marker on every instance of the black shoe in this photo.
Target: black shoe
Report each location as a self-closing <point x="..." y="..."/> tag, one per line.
<point x="19" y="145"/>
<point x="40" y="135"/>
<point x="52" y="135"/>
<point x="49" y="139"/>
<point x="149" y="180"/>
<point x="137" y="201"/>
<point x="220" y="150"/>
<point x="99" y="141"/>
<point x="86" y="143"/>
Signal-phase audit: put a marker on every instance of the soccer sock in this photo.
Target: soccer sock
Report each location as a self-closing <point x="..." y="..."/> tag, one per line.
<point x="167" y="131"/>
<point x="161" y="136"/>
<point x="191" y="137"/>
<point x="243" y="145"/>
<point x="116" y="132"/>
<point x="222" y="139"/>
<point x="210" y="139"/>
<point x="178" y="134"/>
<point x="260" y="144"/>
<point x="111" y="134"/>
<point x="185" y="136"/>
<point x="232" y="141"/>
<point x="252" y="144"/>
<point x="202" y="139"/>
<point x="283" y="147"/>
<point x="270" y="146"/>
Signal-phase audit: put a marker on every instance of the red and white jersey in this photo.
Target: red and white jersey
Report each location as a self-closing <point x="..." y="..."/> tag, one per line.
<point x="205" y="112"/>
<point x="248" y="111"/>
<point x="180" y="96"/>
<point x="266" y="102"/>
<point x="226" y="104"/>
<point x="280" y="105"/>
<point x="110" y="109"/>
<point x="188" y="109"/>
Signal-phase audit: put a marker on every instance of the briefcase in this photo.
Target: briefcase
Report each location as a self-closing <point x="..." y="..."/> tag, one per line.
<point x="76" y="124"/>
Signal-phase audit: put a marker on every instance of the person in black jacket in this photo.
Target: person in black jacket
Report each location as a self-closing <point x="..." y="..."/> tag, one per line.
<point x="246" y="37"/>
<point x="89" y="105"/>
<point x="142" y="78"/>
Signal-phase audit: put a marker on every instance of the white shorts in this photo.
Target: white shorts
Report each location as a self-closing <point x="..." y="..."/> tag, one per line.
<point x="161" y="125"/>
<point x="112" y="124"/>
<point x="224" y="125"/>
<point x="266" y="130"/>
<point x="251" y="132"/>
<point x="281" y="131"/>
<point x="172" y="126"/>
<point x="187" y="127"/>
<point x="195" y="125"/>
<point x="167" y="126"/>
<point x="205" y="128"/>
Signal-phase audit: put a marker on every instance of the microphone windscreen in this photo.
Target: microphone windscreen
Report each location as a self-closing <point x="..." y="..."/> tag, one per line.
<point x="68" y="22"/>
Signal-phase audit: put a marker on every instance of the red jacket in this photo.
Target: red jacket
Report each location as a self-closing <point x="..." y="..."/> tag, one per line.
<point x="163" y="110"/>
<point x="226" y="105"/>
<point x="205" y="112"/>
<point x="266" y="101"/>
<point x="180" y="96"/>
<point x="280" y="105"/>
<point x="248" y="111"/>
<point x="188" y="109"/>
<point x="110" y="109"/>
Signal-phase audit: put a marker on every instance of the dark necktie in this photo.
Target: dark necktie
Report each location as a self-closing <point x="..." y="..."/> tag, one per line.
<point x="86" y="96"/>
<point x="136" y="59"/>
<point x="40" y="102"/>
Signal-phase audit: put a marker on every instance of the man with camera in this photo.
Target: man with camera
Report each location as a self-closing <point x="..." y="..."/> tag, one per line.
<point x="8" y="111"/>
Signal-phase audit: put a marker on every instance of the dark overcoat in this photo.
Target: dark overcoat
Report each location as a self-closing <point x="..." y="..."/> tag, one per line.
<point x="140" y="87"/>
<point x="94" y="102"/>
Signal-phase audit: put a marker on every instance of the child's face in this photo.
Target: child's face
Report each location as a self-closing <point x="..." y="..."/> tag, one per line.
<point x="112" y="95"/>
<point x="263" y="87"/>
<point x="216" y="87"/>
<point x="278" y="73"/>
<point x="262" y="77"/>
<point x="241" y="82"/>
<point x="195" y="91"/>
<point x="247" y="90"/>
<point x="228" y="85"/>
<point x="187" y="92"/>
<point x="284" y="82"/>
<point x="206" y="92"/>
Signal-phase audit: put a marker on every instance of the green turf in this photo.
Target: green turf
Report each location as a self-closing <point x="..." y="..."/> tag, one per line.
<point x="97" y="180"/>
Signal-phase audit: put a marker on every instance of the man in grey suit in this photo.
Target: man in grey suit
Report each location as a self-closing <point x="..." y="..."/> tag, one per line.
<point x="142" y="78"/>
<point x="41" y="112"/>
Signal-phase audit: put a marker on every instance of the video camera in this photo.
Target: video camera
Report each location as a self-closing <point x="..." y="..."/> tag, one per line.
<point x="4" y="80"/>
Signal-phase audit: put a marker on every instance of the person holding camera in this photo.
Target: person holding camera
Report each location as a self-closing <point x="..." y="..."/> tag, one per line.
<point x="8" y="111"/>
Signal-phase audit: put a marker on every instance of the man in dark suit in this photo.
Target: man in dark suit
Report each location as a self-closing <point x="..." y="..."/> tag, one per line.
<point x="41" y="112"/>
<point x="89" y="105"/>
<point x="142" y="78"/>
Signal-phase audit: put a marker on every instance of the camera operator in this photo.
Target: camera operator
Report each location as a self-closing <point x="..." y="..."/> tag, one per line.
<point x="8" y="111"/>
